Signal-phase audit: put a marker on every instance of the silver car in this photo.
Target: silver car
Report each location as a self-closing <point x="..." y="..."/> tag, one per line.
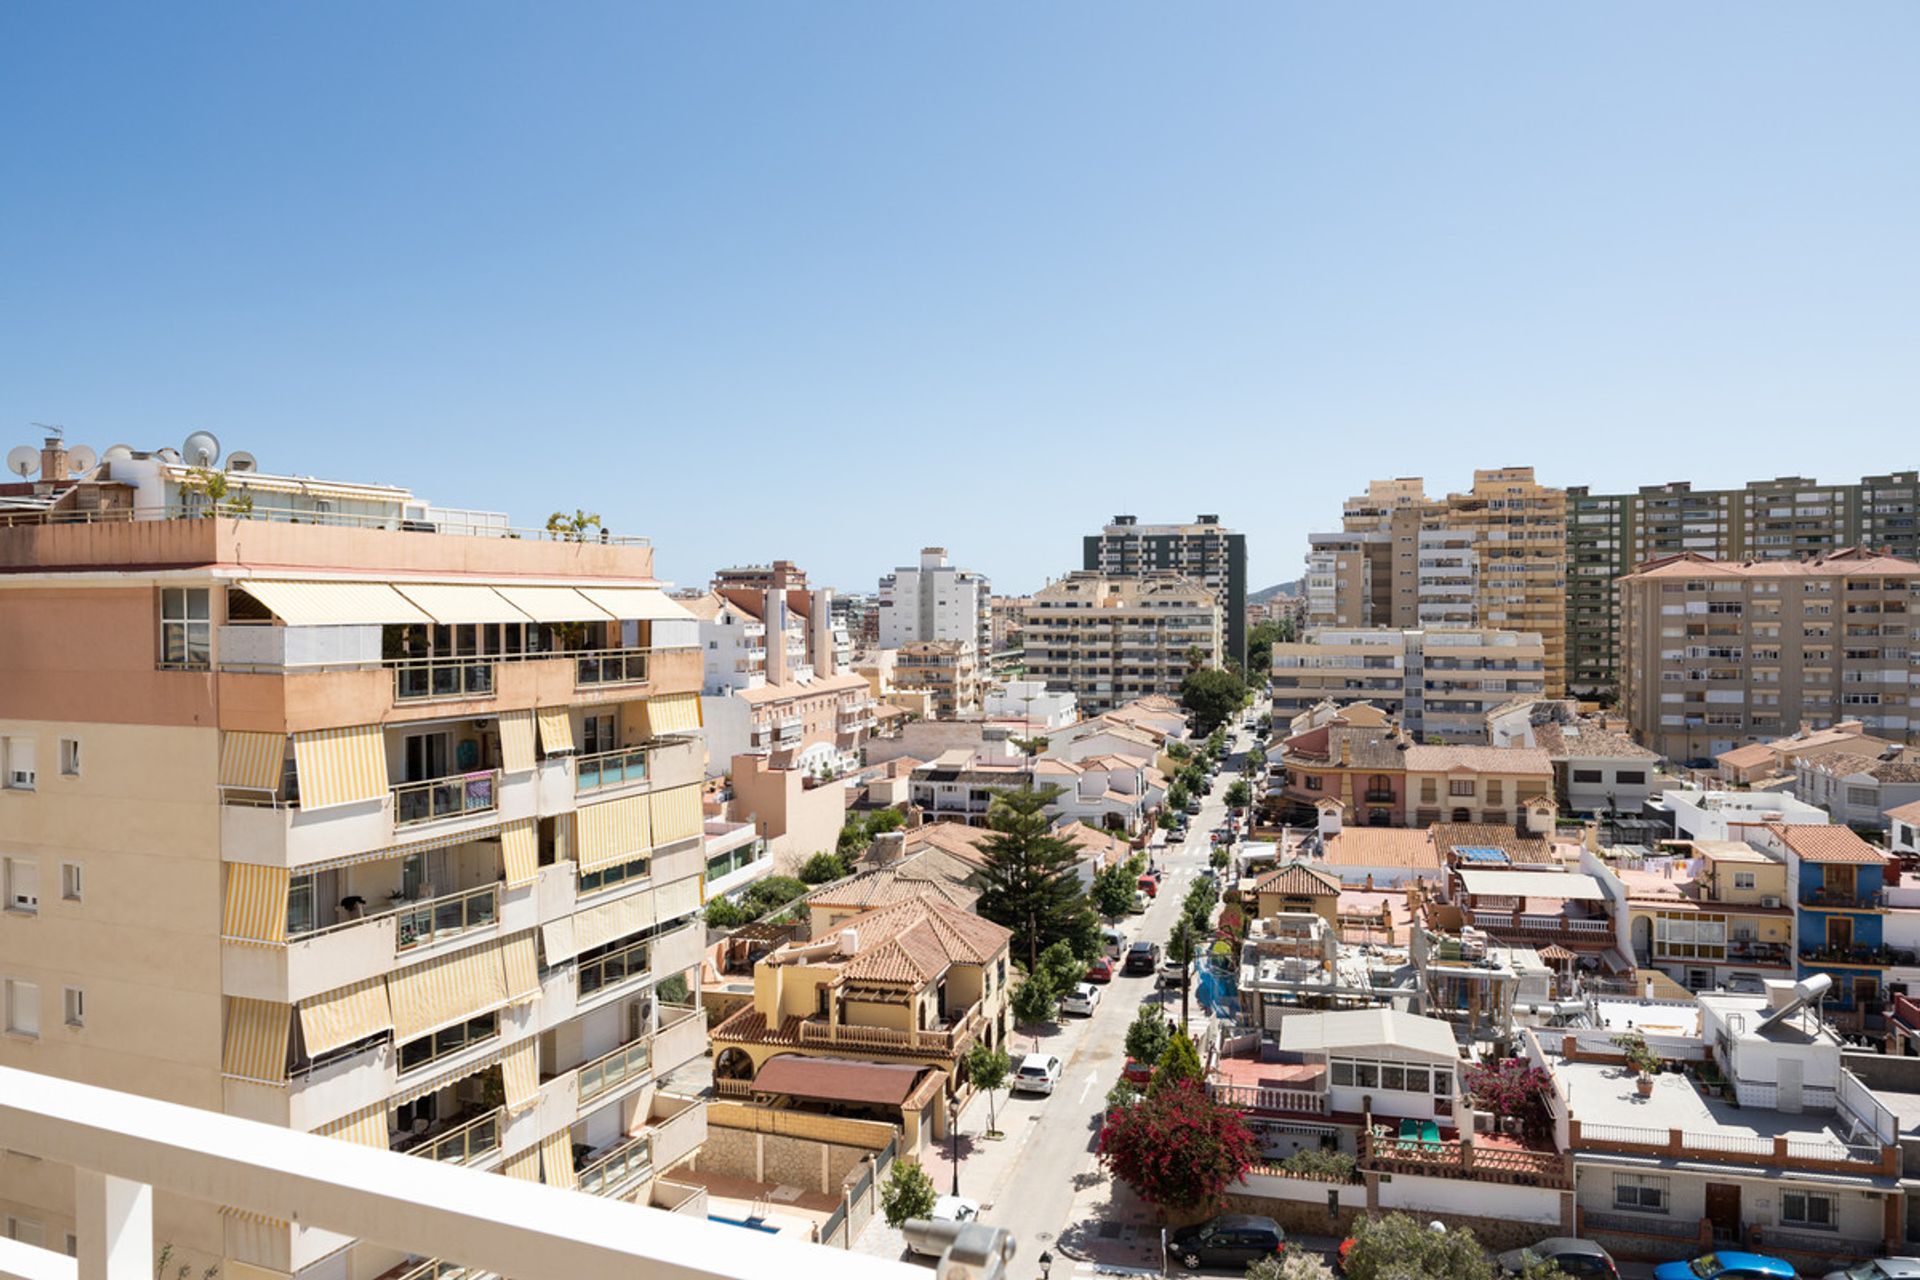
<point x="1880" y="1269"/>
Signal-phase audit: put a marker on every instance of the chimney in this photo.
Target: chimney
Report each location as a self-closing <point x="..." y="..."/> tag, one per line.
<point x="1539" y="818"/>
<point x="1329" y="819"/>
<point x="774" y="612"/>
<point x="1346" y="751"/>
<point x="53" y="460"/>
<point x="820" y="632"/>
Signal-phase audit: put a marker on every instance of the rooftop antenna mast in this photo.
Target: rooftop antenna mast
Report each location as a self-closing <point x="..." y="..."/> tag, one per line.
<point x="53" y="429"/>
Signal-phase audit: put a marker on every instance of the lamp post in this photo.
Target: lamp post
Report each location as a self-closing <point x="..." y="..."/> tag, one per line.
<point x="953" y="1136"/>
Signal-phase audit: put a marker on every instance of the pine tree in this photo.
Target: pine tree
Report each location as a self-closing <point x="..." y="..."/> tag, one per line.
<point x="1029" y="881"/>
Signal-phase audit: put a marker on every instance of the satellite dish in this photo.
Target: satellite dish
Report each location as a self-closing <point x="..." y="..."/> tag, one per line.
<point x="117" y="453"/>
<point x="23" y="460"/>
<point x="167" y="455"/>
<point x="202" y="449"/>
<point x="241" y="460"/>
<point x="81" y="459"/>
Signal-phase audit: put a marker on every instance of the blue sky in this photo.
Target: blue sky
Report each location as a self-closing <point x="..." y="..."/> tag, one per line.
<point x="831" y="281"/>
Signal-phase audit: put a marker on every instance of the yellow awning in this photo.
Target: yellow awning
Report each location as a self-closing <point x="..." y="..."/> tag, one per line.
<point x="599" y="925"/>
<point x="611" y="832"/>
<point x="677" y="814"/>
<point x="340" y="766"/>
<point x="556" y="1160"/>
<point x="556" y="939"/>
<point x="554" y="604"/>
<point x="524" y="1165"/>
<point x="345" y="1015"/>
<point x="428" y="1082"/>
<point x="520" y="1072"/>
<point x="256" y="904"/>
<point x="366" y="1128"/>
<point x="681" y="898"/>
<point x="516" y="741"/>
<point x="556" y="730"/>
<point x="671" y="713"/>
<point x="252" y="760"/>
<point x="523" y="967"/>
<point x="447" y="990"/>
<point x="454" y="604"/>
<point x="520" y="851"/>
<point x="334" y="604"/>
<point x="256" y="1040"/>
<point x="638" y="604"/>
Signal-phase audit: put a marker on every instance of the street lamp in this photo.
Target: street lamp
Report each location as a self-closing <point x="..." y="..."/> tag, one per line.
<point x="953" y="1136"/>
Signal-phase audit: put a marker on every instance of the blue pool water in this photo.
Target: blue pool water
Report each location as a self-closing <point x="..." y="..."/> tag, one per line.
<point x="751" y="1224"/>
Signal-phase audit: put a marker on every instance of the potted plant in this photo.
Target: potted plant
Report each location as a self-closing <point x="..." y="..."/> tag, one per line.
<point x="1642" y="1061"/>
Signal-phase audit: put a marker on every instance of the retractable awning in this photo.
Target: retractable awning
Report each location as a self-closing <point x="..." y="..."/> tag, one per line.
<point x="554" y="604"/>
<point x="638" y="604"/>
<point x="458" y="603"/>
<point x="334" y="604"/>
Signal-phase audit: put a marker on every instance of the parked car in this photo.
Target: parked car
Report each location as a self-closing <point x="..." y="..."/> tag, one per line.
<point x="1727" y="1264"/>
<point x="1142" y="957"/>
<point x="1136" y="1073"/>
<point x="1193" y="808"/>
<point x="1083" y="999"/>
<point x="1149" y="884"/>
<point x="1138" y="906"/>
<point x="1230" y="1240"/>
<point x="1574" y="1257"/>
<point x="1037" y="1073"/>
<point x="945" y="1209"/>
<point x="1880" y="1269"/>
<point x="1101" y="970"/>
<point x="1173" y="974"/>
<point x="1113" y="942"/>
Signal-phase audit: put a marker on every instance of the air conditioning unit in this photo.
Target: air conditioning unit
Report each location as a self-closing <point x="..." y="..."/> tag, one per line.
<point x="1769" y="901"/>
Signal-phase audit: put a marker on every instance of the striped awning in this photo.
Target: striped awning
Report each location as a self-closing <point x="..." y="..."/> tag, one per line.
<point x="611" y="832"/>
<point x="335" y="604"/>
<point x="256" y="1040"/>
<point x="556" y="939"/>
<point x="602" y="924"/>
<point x="366" y="1127"/>
<point x="520" y="1072"/>
<point x="340" y="766"/>
<point x="516" y="741"/>
<point x="520" y="851"/>
<point x="638" y="604"/>
<point x="556" y="730"/>
<point x="556" y="1160"/>
<point x="522" y="966"/>
<point x="453" y="603"/>
<point x="445" y="840"/>
<point x="681" y="898"/>
<point x="252" y="760"/>
<point x="671" y="713"/>
<point x="446" y="990"/>
<point x="435" y="1081"/>
<point x="677" y="814"/>
<point x="345" y="1015"/>
<point x="256" y="904"/>
<point x="524" y="1165"/>
<point x="554" y="604"/>
<point x="252" y="1218"/>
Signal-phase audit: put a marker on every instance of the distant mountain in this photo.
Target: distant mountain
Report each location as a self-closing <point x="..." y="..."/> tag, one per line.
<point x="1278" y="589"/>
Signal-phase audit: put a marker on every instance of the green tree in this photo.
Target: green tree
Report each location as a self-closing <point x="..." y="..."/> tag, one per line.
<point x="764" y="897"/>
<point x="907" y="1192"/>
<point x="1029" y="884"/>
<point x="1062" y="966"/>
<point x="1123" y="1094"/>
<point x="1177" y="1148"/>
<point x="1260" y="642"/>
<point x="1294" y="1264"/>
<point x="1147" y="1035"/>
<point x="722" y="914"/>
<point x="1177" y="793"/>
<point x="572" y="528"/>
<point x="988" y="1067"/>
<point x="1179" y="1065"/>
<point x="1396" y="1245"/>
<point x="1194" y="779"/>
<point x="824" y="868"/>
<point x="1113" y="890"/>
<point x="1035" y="1000"/>
<point x="1238" y="793"/>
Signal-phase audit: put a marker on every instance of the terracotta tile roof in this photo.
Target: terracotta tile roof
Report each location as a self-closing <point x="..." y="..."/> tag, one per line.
<point x="1828" y="844"/>
<point x="1382" y="847"/>
<point x="1906" y="813"/>
<point x="915" y="941"/>
<point x="840" y="1079"/>
<point x="1751" y="756"/>
<point x="1530" y="760"/>
<point x="885" y="886"/>
<point x="1448" y="836"/>
<point x="1590" y="740"/>
<point x="1850" y="562"/>
<point x="750" y="1025"/>
<point x="1299" y="880"/>
<point x="1840" y="764"/>
<point x="795" y="691"/>
<point x="704" y="607"/>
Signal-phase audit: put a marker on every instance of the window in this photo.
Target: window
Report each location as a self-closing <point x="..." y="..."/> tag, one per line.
<point x="1631" y="777"/>
<point x="72" y="882"/>
<point x="186" y="628"/>
<point x="448" y="1041"/>
<point x="1586" y="775"/>
<point x="1460" y="786"/>
<point x="596" y="735"/>
<point x="1745" y="880"/>
<point x="23" y="1007"/>
<point x="18" y="773"/>
<point x="24" y="1230"/>
<point x="22" y="877"/>
<point x="74" y="1003"/>
<point x="1639" y="1192"/>
<point x="1807" y="1209"/>
<point x="1863" y="795"/>
<point x="69" y="757"/>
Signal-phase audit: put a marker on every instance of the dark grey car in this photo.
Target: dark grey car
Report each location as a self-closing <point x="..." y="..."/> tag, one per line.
<point x="1230" y="1240"/>
<point x="1581" y="1258"/>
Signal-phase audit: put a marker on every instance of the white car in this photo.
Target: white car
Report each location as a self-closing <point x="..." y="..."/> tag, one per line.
<point x="1037" y="1073"/>
<point x="1082" y="999"/>
<point x="956" y="1209"/>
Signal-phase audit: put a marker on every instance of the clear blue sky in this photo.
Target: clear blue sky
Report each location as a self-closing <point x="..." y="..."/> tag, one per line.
<point x="831" y="281"/>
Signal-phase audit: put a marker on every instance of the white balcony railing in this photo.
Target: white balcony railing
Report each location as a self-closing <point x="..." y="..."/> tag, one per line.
<point x="438" y="799"/>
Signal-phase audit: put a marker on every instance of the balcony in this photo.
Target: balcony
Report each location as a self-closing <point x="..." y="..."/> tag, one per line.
<point x="614" y="969"/>
<point x="625" y="1065"/>
<point x="596" y="668"/>
<point x="607" y="770"/>
<point x="1577" y="929"/>
<point x="468" y="1141"/>
<point x="460" y="795"/>
<point x="1254" y="1097"/>
<point x="436" y="679"/>
<point x="951" y="1039"/>
<point x="618" y="1168"/>
<point x="1482" y="1161"/>
<point x="1843" y="898"/>
<point x="449" y="916"/>
<point x="678" y="1127"/>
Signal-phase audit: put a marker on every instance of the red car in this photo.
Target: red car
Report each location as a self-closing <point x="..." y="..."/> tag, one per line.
<point x="1150" y="885"/>
<point x="1138" y="1074"/>
<point x="1101" y="970"/>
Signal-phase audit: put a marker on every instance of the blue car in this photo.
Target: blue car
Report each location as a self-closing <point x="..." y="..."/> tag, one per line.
<point x="1727" y="1265"/>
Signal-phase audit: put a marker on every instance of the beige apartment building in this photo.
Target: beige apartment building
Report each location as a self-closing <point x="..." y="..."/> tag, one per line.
<point x="1110" y="640"/>
<point x="1492" y="557"/>
<point x="1439" y="683"/>
<point x="353" y="817"/>
<point x="1720" y="653"/>
<point x="948" y="669"/>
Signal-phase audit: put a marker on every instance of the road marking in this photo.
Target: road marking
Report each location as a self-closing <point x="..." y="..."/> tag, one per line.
<point x="1087" y="1087"/>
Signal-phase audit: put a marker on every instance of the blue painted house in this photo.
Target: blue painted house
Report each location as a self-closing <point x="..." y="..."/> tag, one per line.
<point x="1838" y="882"/>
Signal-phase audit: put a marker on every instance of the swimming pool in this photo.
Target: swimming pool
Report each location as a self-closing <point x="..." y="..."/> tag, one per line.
<point x="751" y="1224"/>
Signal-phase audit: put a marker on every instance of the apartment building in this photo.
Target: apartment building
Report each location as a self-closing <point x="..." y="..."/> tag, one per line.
<point x="1761" y="763"/>
<point x="1376" y="775"/>
<point x="1609" y="535"/>
<point x="935" y="600"/>
<point x="1595" y="768"/>
<point x="949" y="669"/>
<point x="1441" y="683"/>
<point x="323" y="813"/>
<point x="1205" y="552"/>
<point x="1719" y="918"/>
<point x="1718" y="653"/>
<point x="1008" y="622"/>
<point x="1110" y="640"/>
<point x="1492" y="557"/>
<point x="1112" y="792"/>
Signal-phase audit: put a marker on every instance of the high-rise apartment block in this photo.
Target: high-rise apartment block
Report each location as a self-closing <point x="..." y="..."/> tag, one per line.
<point x="1609" y="535"/>
<point x="1205" y="551"/>
<point x="1439" y="683"/>
<point x="320" y="810"/>
<point x="1718" y="653"/>
<point x="936" y="601"/>
<point x="1110" y="640"/>
<point x="1493" y="557"/>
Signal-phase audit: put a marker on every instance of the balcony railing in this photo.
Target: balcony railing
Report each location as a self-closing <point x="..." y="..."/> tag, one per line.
<point x="1853" y="899"/>
<point x="627" y="1063"/>
<point x="427" y="679"/>
<point x="1739" y="1148"/>
<point x="619" y="1168"/>
<point x="950" y="1039"/>
<point x="614" y="968"/>
<point x="606" y="769"/>
<point x="610" y="666"/>
<point x="1467" y="1160"/>
<point x="1265" y="1098"/>
<point x="465" y="1144"/>
<point x="441" y="918"/>
<point x="438" y="799"/>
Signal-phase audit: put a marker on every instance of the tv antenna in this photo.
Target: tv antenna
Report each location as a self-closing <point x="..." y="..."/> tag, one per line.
<point x="53" y="429"/>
